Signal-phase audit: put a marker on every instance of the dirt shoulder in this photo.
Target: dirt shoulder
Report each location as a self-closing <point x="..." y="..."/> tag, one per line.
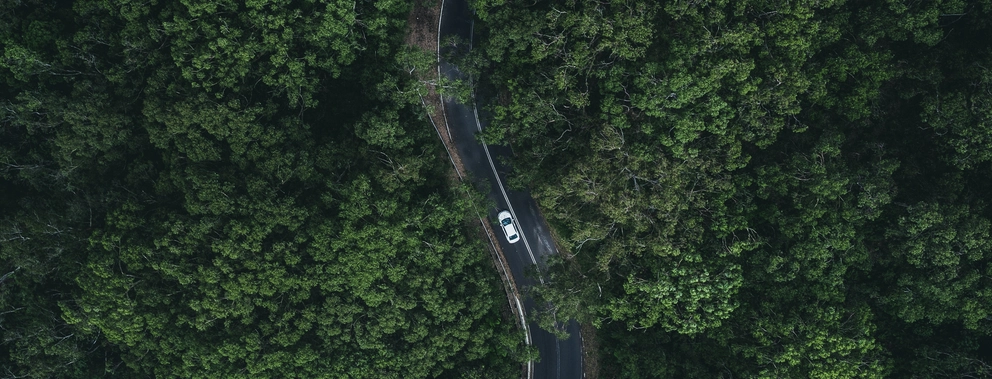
<point x="423" y="33"/>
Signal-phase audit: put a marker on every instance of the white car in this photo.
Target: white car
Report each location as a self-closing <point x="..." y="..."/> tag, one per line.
<point x="506" y="221"/>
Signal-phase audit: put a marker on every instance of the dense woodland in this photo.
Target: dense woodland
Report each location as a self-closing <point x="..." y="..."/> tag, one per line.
<point x="757" y="188"/>
<point x="232" y="189"/>
<point x="225" y="189"/>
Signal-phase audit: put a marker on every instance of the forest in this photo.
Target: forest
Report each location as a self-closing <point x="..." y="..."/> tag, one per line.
<point x="757" y="188"/>
<point x="233" y="189"/>
<point x="251" y="189"/>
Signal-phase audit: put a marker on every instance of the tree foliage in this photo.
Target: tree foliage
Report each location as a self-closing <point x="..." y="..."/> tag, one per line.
<point x="757" y="188"/>
<point x="224" y="189"/>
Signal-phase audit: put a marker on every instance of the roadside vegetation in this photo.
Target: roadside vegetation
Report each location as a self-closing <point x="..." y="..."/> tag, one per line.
<point x="230" y="189"/>
<point x="773" y="189"/>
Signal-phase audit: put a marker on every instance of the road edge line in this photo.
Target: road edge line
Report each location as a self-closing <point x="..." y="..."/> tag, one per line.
<point x="508" y="280"/>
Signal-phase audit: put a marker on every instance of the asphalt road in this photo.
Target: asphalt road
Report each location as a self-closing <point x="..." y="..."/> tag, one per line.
<point x="558" y="358"/>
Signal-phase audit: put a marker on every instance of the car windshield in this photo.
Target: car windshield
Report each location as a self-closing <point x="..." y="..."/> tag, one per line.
<point x="513" y="237"/>
<point x="506" y="221"/>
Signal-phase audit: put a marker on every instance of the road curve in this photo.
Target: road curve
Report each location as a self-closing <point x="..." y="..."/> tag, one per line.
<point x="559" y="359"/>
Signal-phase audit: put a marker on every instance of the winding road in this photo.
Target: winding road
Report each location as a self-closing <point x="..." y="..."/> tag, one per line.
<point x="558" y="358"/>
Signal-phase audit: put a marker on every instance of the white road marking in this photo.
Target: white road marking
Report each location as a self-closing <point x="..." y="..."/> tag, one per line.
<point x="507" y="198"/>
<point x="478" y="125"/>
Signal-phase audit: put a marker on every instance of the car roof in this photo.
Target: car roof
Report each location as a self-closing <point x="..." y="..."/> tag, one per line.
<point x="511" y="232"/>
